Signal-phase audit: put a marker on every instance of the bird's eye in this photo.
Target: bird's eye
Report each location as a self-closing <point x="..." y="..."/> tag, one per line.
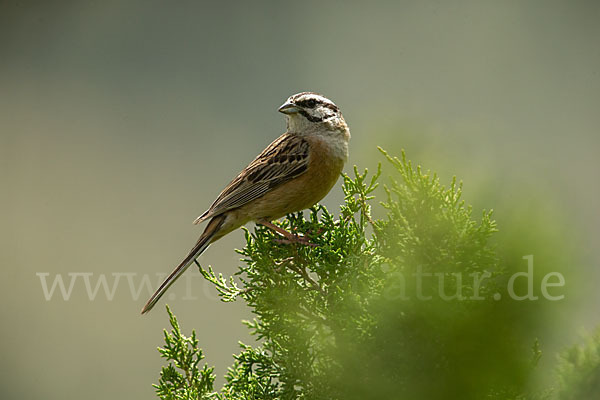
<point x="311" y="103"/>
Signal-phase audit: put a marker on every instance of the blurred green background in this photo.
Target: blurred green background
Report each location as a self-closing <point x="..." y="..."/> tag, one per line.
<point x="121" y="121"/>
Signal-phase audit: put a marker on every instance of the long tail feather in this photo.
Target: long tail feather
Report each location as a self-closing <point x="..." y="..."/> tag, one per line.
<point x="213" y="227"/>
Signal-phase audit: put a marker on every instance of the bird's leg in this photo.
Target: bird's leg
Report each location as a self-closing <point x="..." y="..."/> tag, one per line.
<point x="289" y="237"/>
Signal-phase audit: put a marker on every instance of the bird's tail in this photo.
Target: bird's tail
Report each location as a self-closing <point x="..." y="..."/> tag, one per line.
<point x="213" y="227"/>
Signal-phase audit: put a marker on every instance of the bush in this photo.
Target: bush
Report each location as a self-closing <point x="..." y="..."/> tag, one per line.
<point x="405" y="306"/>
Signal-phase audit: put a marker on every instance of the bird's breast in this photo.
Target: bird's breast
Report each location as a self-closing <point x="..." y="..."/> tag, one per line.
<point x="324" y="167"/>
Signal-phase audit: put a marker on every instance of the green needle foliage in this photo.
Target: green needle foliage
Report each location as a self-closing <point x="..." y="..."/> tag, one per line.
<point x="181" y="379"/>
<point x="579" y="370"/>
<point x="400" y="307"/>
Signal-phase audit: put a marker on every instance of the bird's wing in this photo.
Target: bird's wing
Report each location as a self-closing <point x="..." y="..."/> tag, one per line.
<point x="284" y="159"/>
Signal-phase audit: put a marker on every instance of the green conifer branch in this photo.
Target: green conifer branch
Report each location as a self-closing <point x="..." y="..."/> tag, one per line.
<point x="343" y="319"/>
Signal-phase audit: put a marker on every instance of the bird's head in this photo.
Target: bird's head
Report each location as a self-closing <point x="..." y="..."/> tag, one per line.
<point x="308" y="111"/>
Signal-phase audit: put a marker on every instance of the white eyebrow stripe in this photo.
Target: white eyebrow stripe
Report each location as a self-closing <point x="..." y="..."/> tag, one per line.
<point x="319" y="98"/>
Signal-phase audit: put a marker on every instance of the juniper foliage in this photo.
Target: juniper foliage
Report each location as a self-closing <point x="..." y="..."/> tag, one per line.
<point x="181" y="379"/>
<point x="401" y="306"/>
<point x="579" y="370"/>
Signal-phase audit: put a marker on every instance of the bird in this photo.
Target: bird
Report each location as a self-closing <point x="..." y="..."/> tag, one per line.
<point x="291" y="174"/>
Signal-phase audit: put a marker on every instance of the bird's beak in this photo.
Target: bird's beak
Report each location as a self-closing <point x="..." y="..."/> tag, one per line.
<point x="288" y="108"/>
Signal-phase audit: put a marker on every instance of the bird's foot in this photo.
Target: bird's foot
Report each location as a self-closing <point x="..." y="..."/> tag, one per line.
<point x="290" y="238"/>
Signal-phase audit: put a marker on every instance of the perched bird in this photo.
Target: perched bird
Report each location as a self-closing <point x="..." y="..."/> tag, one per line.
<point x="293" y="173"/>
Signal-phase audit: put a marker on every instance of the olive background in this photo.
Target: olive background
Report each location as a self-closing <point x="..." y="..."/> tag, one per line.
<point x="121" y="121"/>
